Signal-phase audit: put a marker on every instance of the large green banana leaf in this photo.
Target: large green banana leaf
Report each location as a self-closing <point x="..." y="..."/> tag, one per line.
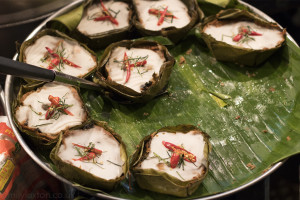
<point x="257" y="127"/>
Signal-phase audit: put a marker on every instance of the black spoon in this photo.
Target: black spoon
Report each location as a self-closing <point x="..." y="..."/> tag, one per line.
<point x="23" y="70"/>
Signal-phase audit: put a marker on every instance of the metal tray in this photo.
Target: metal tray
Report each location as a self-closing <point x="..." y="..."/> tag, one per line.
<point x="10" y="95"/>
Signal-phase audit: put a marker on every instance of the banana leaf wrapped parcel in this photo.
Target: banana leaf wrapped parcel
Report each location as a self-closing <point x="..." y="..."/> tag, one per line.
<point x="93" y="156"/>
<point x="134" y="71"/>
<point x="172" y="160"/>
<point x="104" y="22"/>
<point x="168" y="18"/>
<point x="42" y="111"/>
<point x="55" y="50"/>
<point x="241" y="37"/>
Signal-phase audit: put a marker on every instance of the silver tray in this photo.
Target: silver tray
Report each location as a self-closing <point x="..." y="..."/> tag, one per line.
<point x="10" y="95"/>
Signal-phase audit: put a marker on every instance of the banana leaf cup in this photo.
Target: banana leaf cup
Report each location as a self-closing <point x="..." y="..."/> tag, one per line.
<point x="97" y="30"/>
<point x="172" y="160"/>
<point x="55" y="50"/>
<point x="241" y="37"/>
<point x="134" y="71"/>
<point x="42" y="111"/>
<point x="94" y="156"/>
<point x="174" y="25"/>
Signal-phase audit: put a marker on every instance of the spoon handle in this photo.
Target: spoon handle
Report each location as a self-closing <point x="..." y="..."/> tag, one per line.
<point x="24" y="70"/>
<point x="19" y="69"/>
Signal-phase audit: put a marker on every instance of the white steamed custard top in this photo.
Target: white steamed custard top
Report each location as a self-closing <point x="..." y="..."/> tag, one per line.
<point x="139" y="75"/>
<point x="38" y="55"/>
<point x="34" y="108"/>
<point x="225" y="33"/>
<point x="194" y="143"/>
<point x="176" y="7"/>
<point x="108" y="165"/>
<point x="119" y="10"/>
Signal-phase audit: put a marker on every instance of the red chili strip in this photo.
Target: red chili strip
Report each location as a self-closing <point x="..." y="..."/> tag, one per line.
<point x="174" y="160"/>
<point x="157" y="12"/>
<point x="127" y="65"/>
<point x="101" y="18"/>
<point x="53" y="63"/>
<point x="162" y="17"/>
<point x="54" y="104"/>
<point x="53" y="100"/>
<point x="138" y="64"/>
<point x="68" y="112"/>
<point x="50" y="112"/>
<point x="107" y="13"/>
<point x="97" y="151"/>
<point x="89" y="156"/>
<point x="238" y="37"/>
<point x="56" y="56"/>
<point x="243" y="31"/>
<point x="253" y="33"/>
<point x="188" y="156"/>
<point x="70" y="63"/>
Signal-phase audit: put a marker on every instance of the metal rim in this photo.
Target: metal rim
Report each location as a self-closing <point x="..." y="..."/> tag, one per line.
<point x="7" y="97"/>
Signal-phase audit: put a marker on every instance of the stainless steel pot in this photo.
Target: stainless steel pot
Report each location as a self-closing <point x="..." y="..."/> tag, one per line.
<point x="10" y="94"/>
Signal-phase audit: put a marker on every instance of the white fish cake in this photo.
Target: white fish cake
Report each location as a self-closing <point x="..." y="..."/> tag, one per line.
<point x="267" y="38"/>
<point x="35" y="106"/>
<point x="149" y="20"/>
<point x="73" y="58"/>
<point x="118" y="9"/>
<point x="139" y="75"/>
<point x="193" y="142"/>
<point x="106" y="165"/>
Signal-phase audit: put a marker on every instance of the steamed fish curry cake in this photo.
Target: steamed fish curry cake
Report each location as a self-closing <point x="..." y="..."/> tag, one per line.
<point x="135" y="67"/>
<point x="93" y="150"/>
<point x="245" y="34"/>
<point x="156" y="15"/>
<point x="135" y="71"/>
<point x="104" y="16"/>
<point x="178" y="154"/>
<point x="93" y="156"/>
<point x="50" y="109"/>
<point x="61" y="55"/>
<point x="172" y="160"/>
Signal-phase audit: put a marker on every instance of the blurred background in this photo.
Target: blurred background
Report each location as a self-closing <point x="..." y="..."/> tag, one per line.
<point x="19" y="17"/>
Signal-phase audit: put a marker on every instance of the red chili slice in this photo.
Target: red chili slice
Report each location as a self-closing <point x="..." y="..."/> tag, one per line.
<point x="70" y="63"/>
<point x="138" y="64"/>
<point x="253" y="33"/>
<point x="162" y="17"/>
<point x="53" y="100"/>
<point x="97" y="151"/>
<point x="55" y="55"/>
<point x="101" y="18"/>
<point x="53" y="63"/>
<point x="89" y="156"/>
<point x="157" y="12"/>
<point x="127" y="65"/>
<point x="238" y="37"/>
<point x="107" y="13"/>
<point x="58" y="58"/>
<point x="55" y="104"/>
<point x="187" y="156"/>
<point x="174" y="159"/>
<point x="49" y="112"/>
<point x="244" y="32"/>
